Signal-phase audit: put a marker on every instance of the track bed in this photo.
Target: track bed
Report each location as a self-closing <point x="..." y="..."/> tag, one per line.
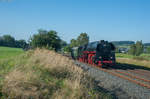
<point x="124" y="84"/>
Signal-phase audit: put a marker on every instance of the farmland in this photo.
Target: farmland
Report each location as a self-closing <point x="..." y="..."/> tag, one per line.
<point x="143" y="60"/>
<point x="7" y="52"/>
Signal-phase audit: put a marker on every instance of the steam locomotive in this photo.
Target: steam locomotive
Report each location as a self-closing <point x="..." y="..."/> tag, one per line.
<point x="100" y="53"/>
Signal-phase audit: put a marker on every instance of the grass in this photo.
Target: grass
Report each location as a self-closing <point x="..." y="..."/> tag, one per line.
<point x="121" y="55"/>
<point x="141" y="57"/>
<point x="6" y="52"/>
<point x="44" y="74"/>
<point x="142" y="60"/>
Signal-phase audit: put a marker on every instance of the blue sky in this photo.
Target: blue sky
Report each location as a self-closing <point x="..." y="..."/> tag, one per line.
<point x="111" y="20"/>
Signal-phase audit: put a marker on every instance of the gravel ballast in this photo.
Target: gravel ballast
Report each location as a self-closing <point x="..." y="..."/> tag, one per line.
<point x="121" y="88"/>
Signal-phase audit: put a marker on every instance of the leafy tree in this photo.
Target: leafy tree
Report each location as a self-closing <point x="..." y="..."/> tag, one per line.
<point x="47" y="39"/>
<point x="1" y="41"/>
<point x="132" y="49"/>
<point x="136" y="49"/>
<point x="148" y="49"/>
<point x="21" y="44"/>
<point x="67" y="48"/>
<point x="63" y="43"/>
<point x="83" y="39"/>
<point x="73" y="43"/>
<point x="8" y="41"/>
<point x="139" y="48"/>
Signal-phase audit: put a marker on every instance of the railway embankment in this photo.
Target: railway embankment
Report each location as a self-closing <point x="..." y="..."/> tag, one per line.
<point x="44" y="74"/>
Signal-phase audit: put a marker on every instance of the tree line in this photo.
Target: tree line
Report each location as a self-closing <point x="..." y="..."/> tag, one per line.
<point x="138" y="48"/>
<point x="47" y="39"/>
<point x="51" y="40"/>
<point x="42" y="39"/>
<point x="9" y="41"/>
<point x="120" y="43"/>
<point x="82" y="39"/>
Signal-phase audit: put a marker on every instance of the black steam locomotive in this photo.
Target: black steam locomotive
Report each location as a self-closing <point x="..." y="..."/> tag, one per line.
<point x="100" y="53"/>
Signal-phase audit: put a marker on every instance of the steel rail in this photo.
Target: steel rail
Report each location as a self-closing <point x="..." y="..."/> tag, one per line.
<point x="121" y="76"/>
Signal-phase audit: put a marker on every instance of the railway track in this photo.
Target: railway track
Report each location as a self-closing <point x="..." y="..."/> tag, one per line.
<point x="139" y="80"/>
<point x="127" y="76"/>
<point x="123" y="83"/>
<point x="140" y="73"/>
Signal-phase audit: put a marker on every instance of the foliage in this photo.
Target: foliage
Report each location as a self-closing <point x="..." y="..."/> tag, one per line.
<point x="9" y="41"/>
<point x="148" y="49"/>
<point x="73" y="43"/>
<point x="46" y="39"/>
<point x="139" y="48"/>
<point x="82" y="39"/>
<point x="132" y="50"/>
<point x="67" y="48"/>
<point x="136" y="49"/>
<point x="63" y="43"/>
<point x="146" y="44"/>
<point x="21" y="44"/>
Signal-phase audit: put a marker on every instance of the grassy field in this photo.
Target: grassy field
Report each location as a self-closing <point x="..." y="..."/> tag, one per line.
<point x="6" y="52"/>
<point x="143" y="60"/>
<point x="44" y="74"/>
<point x="121" y="55"/>
<point x="141" y="57"/>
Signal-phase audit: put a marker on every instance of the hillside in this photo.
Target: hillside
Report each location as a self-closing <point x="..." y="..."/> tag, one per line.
<point x="123" y="43"/>
<point x="44" y="74"/>
<point x="126" y="43"/>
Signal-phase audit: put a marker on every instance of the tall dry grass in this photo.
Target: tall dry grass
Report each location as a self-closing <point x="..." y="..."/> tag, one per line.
<point x="44" y="74"/>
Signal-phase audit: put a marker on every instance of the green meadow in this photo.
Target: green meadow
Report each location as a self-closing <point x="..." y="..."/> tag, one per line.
<point x="7" y="52"/>
<point x="141" y="57"/>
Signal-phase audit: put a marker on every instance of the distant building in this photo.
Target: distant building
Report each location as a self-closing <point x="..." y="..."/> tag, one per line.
<point x="123" y="50"/>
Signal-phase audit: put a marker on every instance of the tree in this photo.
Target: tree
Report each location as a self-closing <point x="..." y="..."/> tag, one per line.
<point x="132" y="49"/>
<point x="136" y="49"/>
<point x="148" y="50"/>
<point x="82" y="39"/>
<point x="73" y="43"/>
<point x="67" y="48"/>
<point x="1" y="41"/>
<point x="21" y="44"/>
<point x="63" y="43"/>
<point x="139" y="48"/>
<point x="8" y="41"/>
<point x="47" y="39"/>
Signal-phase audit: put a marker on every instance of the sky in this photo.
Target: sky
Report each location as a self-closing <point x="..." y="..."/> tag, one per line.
<point x="112" y="20"/>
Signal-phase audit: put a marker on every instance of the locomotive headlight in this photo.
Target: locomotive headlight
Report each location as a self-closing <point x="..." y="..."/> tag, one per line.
<point x="111" y="57"/>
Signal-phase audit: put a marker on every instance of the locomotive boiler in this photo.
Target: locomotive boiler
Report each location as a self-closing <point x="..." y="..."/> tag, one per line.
<point x="100" y="53"/>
